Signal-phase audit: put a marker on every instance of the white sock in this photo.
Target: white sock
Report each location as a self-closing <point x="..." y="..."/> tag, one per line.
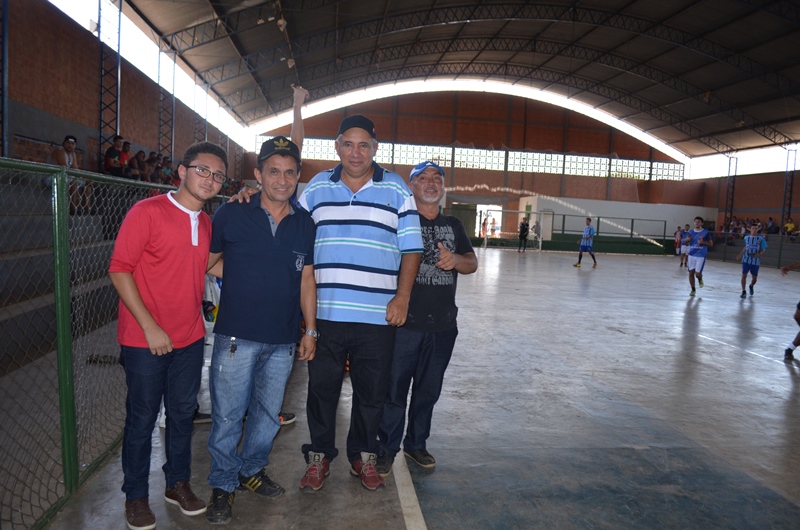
<point x="791" y="346"/>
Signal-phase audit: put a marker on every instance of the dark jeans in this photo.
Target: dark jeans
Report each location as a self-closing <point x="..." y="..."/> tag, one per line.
<point x="370" y="349"/>
<point x="422" y="357"/>
<point x="175" y="377"/>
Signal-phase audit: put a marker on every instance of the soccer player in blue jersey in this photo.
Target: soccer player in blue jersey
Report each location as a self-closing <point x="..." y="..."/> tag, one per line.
<point x="684" y="246"/>
<point x="586" y="243"/>
<point x="754" y="247"/>
<point x="366" y="257"/>
<point x="698" y="240"/>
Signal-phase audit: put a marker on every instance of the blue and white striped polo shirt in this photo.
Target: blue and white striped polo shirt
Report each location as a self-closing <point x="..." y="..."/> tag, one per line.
<point x="360" y="241"/>
<point x="752" y="246"/>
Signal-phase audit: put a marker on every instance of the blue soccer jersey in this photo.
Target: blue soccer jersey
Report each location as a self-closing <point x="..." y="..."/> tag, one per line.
<point x="695" y="248"/>
<point x="752" y="246"/>
<point x="588" y="235"/>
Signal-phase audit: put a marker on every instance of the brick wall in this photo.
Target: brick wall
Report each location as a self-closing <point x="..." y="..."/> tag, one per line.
<point x="54" y="67"/>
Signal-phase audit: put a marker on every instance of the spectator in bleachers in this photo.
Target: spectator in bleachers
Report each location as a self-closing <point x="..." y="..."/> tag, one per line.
<point x="112" y="163"/>
<point x="80" y="190"/>
<point x="136" y="166"/>
<point x="125" y="158"/>
<point x="788" y="230"/>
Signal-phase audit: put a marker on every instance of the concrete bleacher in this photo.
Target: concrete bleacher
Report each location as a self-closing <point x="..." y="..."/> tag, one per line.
<point x="779" y="252"/>
<point x="27" y="274"/>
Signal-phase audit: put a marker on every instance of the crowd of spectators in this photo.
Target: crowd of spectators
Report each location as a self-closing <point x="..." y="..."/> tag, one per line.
<point x="738" y="228"/>
<point x="153" y="167"/>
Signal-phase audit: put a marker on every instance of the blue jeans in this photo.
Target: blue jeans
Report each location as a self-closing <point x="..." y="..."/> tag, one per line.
<point x="252" y="381"/>
<point x="422" y="357"/>
<point x="175" y="377"/>
<point x="370" y="349"/>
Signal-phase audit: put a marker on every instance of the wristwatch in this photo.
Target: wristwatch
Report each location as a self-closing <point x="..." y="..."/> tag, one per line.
<point x="313" y="333"/>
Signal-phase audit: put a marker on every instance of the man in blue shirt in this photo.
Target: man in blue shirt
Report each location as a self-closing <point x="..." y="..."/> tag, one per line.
<point x="366" y="257"/>
<point x="586" y="243"/>
<point x="754" y="247"/>
<point x="698" y="240"/>
<point x="266" y="248"/>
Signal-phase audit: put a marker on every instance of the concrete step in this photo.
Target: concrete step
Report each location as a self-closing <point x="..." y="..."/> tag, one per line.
<point x="30" y="274"/>
<point x="28" y="328"/>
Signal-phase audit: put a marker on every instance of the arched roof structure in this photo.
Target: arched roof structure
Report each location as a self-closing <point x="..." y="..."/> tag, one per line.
<point x="702" y="76"/>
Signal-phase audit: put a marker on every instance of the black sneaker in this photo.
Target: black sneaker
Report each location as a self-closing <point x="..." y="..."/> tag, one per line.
<point x="787" y="355"/>
<point x="422" y="458"/>
<point x="199" y="417"/>
<point x="220" y="507"/>
<point x="384" y="464"/>
<point x="261" y="484"/>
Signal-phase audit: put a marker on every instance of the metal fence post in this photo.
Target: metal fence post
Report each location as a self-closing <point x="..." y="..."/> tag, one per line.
<point x="66" y="387"/>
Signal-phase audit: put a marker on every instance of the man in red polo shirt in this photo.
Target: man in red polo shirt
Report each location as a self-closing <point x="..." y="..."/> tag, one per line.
<point x="158" y="268"/>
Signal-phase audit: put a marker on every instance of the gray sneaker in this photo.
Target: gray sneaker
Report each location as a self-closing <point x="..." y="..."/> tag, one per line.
<point x="384" y="464"/>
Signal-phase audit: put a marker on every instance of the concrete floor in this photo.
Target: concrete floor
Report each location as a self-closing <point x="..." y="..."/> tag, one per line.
<point x="576" y="398"/>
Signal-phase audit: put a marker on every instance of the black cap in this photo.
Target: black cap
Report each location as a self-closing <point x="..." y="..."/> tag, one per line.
<point x="280" y="145"/>
<point x="357" y="120"/>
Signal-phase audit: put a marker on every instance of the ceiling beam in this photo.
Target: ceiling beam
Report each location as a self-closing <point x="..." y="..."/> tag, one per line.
<point x="450" y="15"/>
<point x="515" y="73"/>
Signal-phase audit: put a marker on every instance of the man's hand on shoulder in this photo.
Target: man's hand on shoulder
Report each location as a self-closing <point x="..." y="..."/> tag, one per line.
<point x="244" y="194"/>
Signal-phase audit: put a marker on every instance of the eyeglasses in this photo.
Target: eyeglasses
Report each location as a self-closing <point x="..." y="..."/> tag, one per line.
<point x="204" y="172"/>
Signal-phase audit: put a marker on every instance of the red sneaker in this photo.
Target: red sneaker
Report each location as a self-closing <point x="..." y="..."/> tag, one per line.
<point x="367" y="470"/>
<point x="318" y="468"/>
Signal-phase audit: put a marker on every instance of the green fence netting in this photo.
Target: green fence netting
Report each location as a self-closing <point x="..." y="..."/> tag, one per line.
<point x="61" y="389"/>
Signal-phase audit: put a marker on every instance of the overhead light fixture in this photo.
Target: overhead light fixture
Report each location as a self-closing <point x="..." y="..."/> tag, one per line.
<point x="290" y="63"/>
<point x="282" y="24"/>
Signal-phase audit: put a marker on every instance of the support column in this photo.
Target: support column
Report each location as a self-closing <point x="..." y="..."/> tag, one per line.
<point x="788" y="185"/>
<point x="200" y="122"/>
<point x="732" y="168"/>
<point x="110" y="73"/>
<point x="166" y="107"/>
<point x="5" y="146"/>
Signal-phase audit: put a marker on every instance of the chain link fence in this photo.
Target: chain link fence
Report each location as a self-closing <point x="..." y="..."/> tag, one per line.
<point x="62" y="389"/>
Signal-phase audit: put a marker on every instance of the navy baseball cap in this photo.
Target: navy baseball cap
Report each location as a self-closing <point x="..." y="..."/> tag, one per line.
<point x="357" y="120"/>
<point x="280" y="145"/>
<point x="419" y="168"/>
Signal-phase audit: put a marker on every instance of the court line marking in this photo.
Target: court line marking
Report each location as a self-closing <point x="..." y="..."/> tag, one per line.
<point x="742" y="349"/>
<point x="412" y="513"/>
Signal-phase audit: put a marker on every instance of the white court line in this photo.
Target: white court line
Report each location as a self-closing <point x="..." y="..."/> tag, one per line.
<point x="738" y="348"/>
<point x="408" y="495"/>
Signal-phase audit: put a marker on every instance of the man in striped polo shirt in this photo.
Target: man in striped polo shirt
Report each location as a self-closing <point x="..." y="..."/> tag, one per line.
<point x="366" y="256"/>
<point x="754" y="247"/>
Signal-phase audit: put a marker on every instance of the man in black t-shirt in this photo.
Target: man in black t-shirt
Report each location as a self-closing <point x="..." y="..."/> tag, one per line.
<point x="423" y="346"/>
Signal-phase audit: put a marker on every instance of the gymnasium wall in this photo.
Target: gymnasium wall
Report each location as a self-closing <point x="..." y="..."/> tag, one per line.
<point x="54" y="90"/>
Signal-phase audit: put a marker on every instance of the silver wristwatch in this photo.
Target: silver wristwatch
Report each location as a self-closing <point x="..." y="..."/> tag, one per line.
<point x="313" y="333"/>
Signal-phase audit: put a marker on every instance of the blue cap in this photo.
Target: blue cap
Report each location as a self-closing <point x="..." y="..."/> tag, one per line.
<point x="419" y="168"/>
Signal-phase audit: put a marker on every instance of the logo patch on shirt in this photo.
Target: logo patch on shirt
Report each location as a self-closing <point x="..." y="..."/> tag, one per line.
<point x="301" y="259"/>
